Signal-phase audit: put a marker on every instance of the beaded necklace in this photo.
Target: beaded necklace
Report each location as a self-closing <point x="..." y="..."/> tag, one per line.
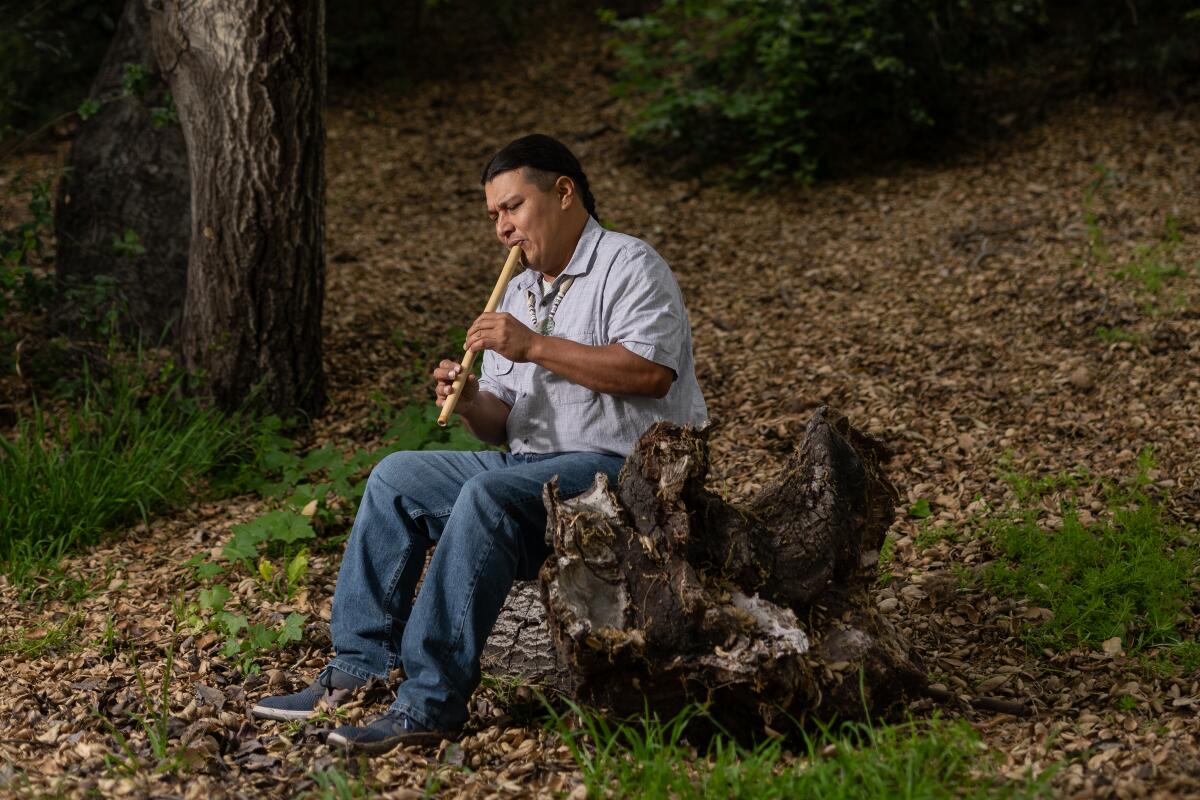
<point x="546" y="326"/>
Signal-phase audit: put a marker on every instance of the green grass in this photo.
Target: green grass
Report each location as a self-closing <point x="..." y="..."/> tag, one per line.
<point x="929" y="535"/>
<point x="649" y="758"/>
<point x="1153" y="267"/>
<point x="334" y="784"/>
<point x="1128" y="574"/>
<point x="1176" y="658"/>
<point x="31" y="643"/>
<point x="153" y="723"/>
<point x="1116" y="334"/>
<point x="126" y="450"/>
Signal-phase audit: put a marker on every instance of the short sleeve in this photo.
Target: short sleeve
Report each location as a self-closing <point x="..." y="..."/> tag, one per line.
<point x="495" y="376"/>
<point x="646" y="308"/>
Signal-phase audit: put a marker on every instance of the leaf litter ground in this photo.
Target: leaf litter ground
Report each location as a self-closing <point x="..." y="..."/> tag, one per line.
<point x="963" y="311"/>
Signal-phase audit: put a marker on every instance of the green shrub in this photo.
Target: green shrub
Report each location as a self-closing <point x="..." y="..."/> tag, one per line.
<point x="776" y="88"/>
<point x="765" y="89"/>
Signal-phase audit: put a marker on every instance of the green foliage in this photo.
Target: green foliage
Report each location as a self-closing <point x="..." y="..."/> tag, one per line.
<point x="778" y="88"/>
<point x="275" y="526"/>
<point x="245" y="642"/>
<point x="89" y="108"/>
<point x="135" y="82"/>
<point x="1128" y="574"/>
<point x="130" y="448"/>
<point x="128" y="244"/>
<point x="920" y="509"/>
<point x="271" y="547"/>
<point x="648" y="757"/>
<point x="887" y="554"/>
<point x="23" y="248"/>
<point x="166" y="114"/>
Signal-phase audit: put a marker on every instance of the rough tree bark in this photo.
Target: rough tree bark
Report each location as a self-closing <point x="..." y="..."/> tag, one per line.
<point x="661" y="592"/>
<point x="125" y="173"/>
<point x="248" y="80"/>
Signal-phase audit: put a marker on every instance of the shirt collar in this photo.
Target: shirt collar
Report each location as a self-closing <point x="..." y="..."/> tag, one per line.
<point x="581" y="261"/>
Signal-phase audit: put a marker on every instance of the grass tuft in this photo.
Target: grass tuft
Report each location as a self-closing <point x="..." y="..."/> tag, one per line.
<point x="127" y="450"/>
<point x="651" y="758"/>
<point x="33" y="643"/>
<point x="1125" y="575"/>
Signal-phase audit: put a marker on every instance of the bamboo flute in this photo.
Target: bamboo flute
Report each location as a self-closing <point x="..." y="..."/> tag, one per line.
<point x="514" y="258"/>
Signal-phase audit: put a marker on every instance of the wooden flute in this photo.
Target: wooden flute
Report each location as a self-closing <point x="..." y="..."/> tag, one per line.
<point x="514" y="258"/>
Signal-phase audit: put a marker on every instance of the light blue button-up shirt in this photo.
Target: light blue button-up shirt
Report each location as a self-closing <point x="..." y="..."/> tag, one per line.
<point x="623" y="293"/>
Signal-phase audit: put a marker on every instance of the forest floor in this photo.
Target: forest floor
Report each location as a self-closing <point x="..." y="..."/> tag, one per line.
<point x="968" y="312"/>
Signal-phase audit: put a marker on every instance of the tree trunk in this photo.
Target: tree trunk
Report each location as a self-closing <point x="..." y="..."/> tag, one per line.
<point x="248" y="80"/>
<point x="125" y="173"/>
<point x="660" y="592"/>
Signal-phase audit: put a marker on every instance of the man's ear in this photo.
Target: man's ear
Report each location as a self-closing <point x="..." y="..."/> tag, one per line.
<point x="564" y="187"/>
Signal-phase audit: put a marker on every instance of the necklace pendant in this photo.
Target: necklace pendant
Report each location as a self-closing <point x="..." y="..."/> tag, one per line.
<point x="548" y="326"/>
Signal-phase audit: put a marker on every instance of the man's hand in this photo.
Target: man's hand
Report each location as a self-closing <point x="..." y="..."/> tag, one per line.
<point x="501" y="333"/>
<point x="444" y="374"/>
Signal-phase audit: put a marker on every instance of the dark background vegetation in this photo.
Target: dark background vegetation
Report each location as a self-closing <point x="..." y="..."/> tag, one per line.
<point x="781" y="88"/>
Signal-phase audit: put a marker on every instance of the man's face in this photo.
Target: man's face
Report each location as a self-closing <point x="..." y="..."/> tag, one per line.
<point x="528" y="216"/>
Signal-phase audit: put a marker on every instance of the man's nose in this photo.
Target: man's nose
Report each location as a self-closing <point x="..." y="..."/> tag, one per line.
<point x="504" y="228"/>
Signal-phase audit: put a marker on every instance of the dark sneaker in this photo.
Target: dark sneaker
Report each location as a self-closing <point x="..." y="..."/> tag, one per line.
<point x="391" y="730"/>
<point x="331" y="689"/>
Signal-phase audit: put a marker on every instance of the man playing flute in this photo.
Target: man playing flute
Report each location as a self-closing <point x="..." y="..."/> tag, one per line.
<point x="589" y="346"/>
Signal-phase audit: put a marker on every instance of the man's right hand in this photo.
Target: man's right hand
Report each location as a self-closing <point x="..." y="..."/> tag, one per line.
<point x="444" y="374"/>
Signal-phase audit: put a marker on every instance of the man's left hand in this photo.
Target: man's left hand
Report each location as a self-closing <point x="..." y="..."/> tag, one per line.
<point x="501" y="333"/>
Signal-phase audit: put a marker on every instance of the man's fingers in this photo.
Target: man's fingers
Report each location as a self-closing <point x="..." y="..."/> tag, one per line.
<point x="481" y="343"/>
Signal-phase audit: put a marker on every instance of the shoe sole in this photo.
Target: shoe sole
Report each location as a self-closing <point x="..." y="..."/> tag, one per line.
<point x="280" y="714"/>
<point x="418" y="738"/>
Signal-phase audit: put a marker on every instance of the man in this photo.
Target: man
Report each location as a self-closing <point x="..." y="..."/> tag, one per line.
<point x="589" y="346"/>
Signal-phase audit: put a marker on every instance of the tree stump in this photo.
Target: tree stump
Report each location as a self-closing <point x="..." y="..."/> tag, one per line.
<point x="661" y="593"/>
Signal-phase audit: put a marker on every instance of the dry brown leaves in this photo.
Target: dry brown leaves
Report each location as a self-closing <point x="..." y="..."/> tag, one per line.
<point x="949" y="309"/>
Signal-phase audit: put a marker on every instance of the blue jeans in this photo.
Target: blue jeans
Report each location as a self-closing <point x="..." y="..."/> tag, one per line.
<point x="484" y="511"/>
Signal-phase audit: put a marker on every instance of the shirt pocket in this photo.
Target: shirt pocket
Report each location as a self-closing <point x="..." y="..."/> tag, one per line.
<point x="495" y="365"/>
<point x="558" y="390"/>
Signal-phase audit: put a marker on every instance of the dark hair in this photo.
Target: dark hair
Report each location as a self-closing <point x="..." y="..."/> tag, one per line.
<point x="541" y="154"/>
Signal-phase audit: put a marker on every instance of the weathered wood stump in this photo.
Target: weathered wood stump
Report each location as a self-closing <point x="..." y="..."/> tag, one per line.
<point x="661" y="592"/>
